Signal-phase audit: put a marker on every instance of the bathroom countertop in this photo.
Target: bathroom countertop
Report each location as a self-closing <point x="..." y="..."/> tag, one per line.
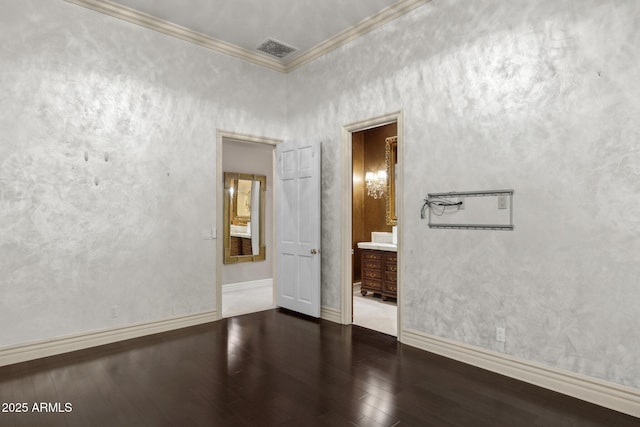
<point x="378" y="246"/>
<point x="240" y="231"/>
<point x="242" y="235"/>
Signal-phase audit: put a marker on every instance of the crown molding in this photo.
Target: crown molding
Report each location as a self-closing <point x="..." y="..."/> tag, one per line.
<point x="124" y="13"/>
<point x="381" y="18"/>
<point x="151" y="22"/>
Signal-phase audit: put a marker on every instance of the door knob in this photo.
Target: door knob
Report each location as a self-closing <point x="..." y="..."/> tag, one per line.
<point x="314" y="251"/>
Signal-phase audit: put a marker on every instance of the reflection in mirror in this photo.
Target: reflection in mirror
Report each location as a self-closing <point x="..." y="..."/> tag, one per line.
<point x="244" y="201"/>
<point x="242" y="195"/>
<point x="391" y="155"/>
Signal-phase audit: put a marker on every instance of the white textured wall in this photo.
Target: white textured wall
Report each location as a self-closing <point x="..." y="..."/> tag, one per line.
<point x="72" y="81"/>
<point x="542" y="97"/>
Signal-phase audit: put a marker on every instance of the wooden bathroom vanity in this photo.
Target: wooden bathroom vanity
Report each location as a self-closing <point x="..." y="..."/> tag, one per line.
<point x="379" y="272"/>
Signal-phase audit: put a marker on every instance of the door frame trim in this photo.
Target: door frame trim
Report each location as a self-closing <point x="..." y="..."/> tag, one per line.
<point x="347" y="196"/>
<point x="240" y="137"/>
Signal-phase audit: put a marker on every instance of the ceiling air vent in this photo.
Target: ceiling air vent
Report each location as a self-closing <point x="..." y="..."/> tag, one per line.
<point x="275" y="48"/>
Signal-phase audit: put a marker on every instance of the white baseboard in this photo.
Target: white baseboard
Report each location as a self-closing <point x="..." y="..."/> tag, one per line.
<point x="603" y="393"/>
<point x="247" y="285"/>
<point x="330" y="314"/>
<point x="36" y="350"/>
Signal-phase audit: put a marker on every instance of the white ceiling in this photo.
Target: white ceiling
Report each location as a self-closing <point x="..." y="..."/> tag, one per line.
<point x="245" y="24"/>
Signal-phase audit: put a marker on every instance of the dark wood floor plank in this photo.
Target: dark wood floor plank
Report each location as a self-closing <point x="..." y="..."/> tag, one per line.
<point x="7" y="417"/>
<point x="24" y="391"/>
<point x="45" y="393"/>
<point x="276" y="368"/>
<point x="75" y="384"/>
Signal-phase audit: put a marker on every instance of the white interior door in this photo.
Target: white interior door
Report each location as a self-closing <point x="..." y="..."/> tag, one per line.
<point x="298" y="275"/>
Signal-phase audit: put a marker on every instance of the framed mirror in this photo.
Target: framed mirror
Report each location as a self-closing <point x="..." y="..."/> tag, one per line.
<point x="244" y="201"/>
<point x="391" y="156"/>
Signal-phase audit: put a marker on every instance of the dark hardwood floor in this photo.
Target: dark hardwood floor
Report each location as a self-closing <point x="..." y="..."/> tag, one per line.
<point x="276" y="368"/>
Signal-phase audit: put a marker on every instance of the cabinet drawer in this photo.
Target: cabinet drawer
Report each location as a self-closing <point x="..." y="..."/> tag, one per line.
<point x="390" y="277"/>
<point x="391" y="267"/>
<point x="372" y="264"/>
<point x="391" y="287"/>
<point x="371" y="284"/>
<point x="372" y="274"/>
<point x="392" y="257"/>
<point x="371" y="255"/>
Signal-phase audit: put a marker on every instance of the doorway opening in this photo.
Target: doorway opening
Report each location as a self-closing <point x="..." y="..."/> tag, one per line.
<point x="371" y="279"/>
<point x="245" y="281"/>
<point x="374" y="267"/>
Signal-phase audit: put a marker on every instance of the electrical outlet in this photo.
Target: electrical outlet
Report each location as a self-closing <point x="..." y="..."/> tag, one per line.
<point x="501" y="334"/>
<point x="115" y="311"/>
<point x="502" y="202"/>
<point x="461" y="200"/>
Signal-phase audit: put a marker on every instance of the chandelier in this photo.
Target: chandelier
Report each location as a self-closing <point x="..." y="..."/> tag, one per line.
<point x="376" y="183"/>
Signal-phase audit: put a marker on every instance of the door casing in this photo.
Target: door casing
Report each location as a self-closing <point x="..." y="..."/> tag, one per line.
<point x="346" y="312"/>
<point x="220" y="135"/>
